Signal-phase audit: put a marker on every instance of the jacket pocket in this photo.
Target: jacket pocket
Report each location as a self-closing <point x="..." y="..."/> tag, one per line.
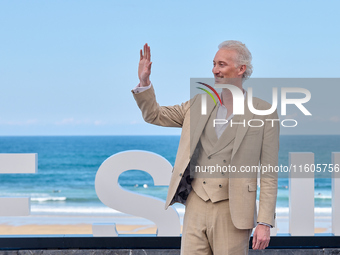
<point x="252" y="187"/>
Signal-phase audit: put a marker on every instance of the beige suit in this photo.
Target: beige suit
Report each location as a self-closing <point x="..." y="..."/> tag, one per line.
<point x="250" y="146"/>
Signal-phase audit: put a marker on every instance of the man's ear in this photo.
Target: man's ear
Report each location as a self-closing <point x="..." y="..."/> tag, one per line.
<point x="242" y="69"/>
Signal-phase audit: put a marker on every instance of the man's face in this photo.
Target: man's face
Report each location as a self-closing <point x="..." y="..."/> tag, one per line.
<point x="225" y="66"/>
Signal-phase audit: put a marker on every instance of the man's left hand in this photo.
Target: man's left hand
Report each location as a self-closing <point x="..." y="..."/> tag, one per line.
<point x="261" y="237"/>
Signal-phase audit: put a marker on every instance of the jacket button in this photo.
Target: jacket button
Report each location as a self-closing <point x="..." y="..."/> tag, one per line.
<point x="223" y="173"/>
<point x="204" y="182"/>
<point x="180" y="174"/>
<point x="209" y="157"/>
<point x="224" y="161"/>
<point x="220" y="186"/>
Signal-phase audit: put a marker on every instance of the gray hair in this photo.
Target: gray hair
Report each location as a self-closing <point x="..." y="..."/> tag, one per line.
<point x="243" y="55"/>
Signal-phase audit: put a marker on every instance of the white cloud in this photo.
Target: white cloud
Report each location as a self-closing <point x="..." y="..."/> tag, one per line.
<point x="73" y="121"/>
<point x="19" y="123"/>
<point x="66" y="121"/>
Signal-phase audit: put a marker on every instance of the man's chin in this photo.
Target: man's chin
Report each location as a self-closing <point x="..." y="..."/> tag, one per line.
<point x="232" y="81"/>
<point x="219" y="81"/>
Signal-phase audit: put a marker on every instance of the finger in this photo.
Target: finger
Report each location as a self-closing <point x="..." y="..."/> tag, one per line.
<point x="264" y="245"/>
<point x="149" y="66"/>
<point x="149" y="54"/>
<point x="253" y="244"/>
<point x="257" y="243"/>
<point x="141" y="54"/>
<point x="144" y="55"/>
<point x="267" y="244"/>
<point x="254" y="240"/>
<point x="261" y="246"/>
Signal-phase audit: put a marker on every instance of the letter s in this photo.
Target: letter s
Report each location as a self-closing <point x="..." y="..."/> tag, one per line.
<point x="114" y="196"/>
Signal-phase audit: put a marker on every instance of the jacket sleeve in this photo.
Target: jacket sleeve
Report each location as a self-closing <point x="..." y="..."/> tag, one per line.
<point x="269" y="159"/>
<point x="167" y="116"/>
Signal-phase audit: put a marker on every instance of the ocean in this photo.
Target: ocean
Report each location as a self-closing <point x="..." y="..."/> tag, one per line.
<point x="67" y="166"/>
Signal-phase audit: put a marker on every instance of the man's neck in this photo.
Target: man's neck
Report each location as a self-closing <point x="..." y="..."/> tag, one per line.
<point x="227" y="96"/>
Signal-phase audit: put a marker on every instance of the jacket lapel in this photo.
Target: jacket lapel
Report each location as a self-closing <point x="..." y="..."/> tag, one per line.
<point x="226" y="138"/>
<point x="197" y="127"/>
<point x="241" y="130"/>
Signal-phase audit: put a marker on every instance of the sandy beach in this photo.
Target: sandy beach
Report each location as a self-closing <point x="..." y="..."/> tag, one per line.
<point x="82" y="229"/>
<point x="80" y="225"/>
<point x="76" y="229"/>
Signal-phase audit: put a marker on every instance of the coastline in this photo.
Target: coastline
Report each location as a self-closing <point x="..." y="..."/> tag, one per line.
<point x="63" y="190"/>
<point x="125" y="224"/>
<point x="75" y="229"/>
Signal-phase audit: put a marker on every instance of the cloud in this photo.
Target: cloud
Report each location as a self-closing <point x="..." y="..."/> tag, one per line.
<point x="72" y="121"/>
<point x="66" y="121"/>
<point x="19" y="123"/>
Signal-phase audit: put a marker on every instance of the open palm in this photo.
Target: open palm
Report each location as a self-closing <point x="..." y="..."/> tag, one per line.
<point x="144" y="68"/>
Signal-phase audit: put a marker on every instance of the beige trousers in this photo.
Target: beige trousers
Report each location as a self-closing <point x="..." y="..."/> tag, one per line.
<point x="208" y="229"/>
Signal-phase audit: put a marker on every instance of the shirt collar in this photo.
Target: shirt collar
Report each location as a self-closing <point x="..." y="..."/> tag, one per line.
<point x="244" y="94"/>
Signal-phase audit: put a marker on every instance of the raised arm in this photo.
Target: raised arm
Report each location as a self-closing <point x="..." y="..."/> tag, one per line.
<point x="169" y="116"/>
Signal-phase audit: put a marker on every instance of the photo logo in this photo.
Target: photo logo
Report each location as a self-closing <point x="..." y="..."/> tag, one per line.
<point x="238" y="103"/>
<point x="204" y="97"/>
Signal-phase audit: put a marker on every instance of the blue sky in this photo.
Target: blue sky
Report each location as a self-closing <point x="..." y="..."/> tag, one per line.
<point x="68" y="67"/>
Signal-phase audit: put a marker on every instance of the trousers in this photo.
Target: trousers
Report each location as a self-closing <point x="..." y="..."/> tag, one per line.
<point x="208" y="229"/>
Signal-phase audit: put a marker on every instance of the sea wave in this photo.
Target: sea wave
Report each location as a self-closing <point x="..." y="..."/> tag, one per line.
<point x="102" y="210"/>
<point x="317" y="210"/>
<point x="320" y="196"/>
<point x="74" y="210"/>
<point x="45" y="199"/>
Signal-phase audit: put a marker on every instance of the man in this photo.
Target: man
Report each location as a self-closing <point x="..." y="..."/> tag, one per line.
<point x="220" y="211"/>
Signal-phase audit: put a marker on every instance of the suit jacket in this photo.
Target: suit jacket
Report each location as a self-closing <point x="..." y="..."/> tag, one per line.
<point x="251" y="146"/>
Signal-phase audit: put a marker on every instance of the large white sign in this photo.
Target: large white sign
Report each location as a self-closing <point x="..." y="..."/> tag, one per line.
<point x="21" y="163"/>
<point x="116" y="197"/>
